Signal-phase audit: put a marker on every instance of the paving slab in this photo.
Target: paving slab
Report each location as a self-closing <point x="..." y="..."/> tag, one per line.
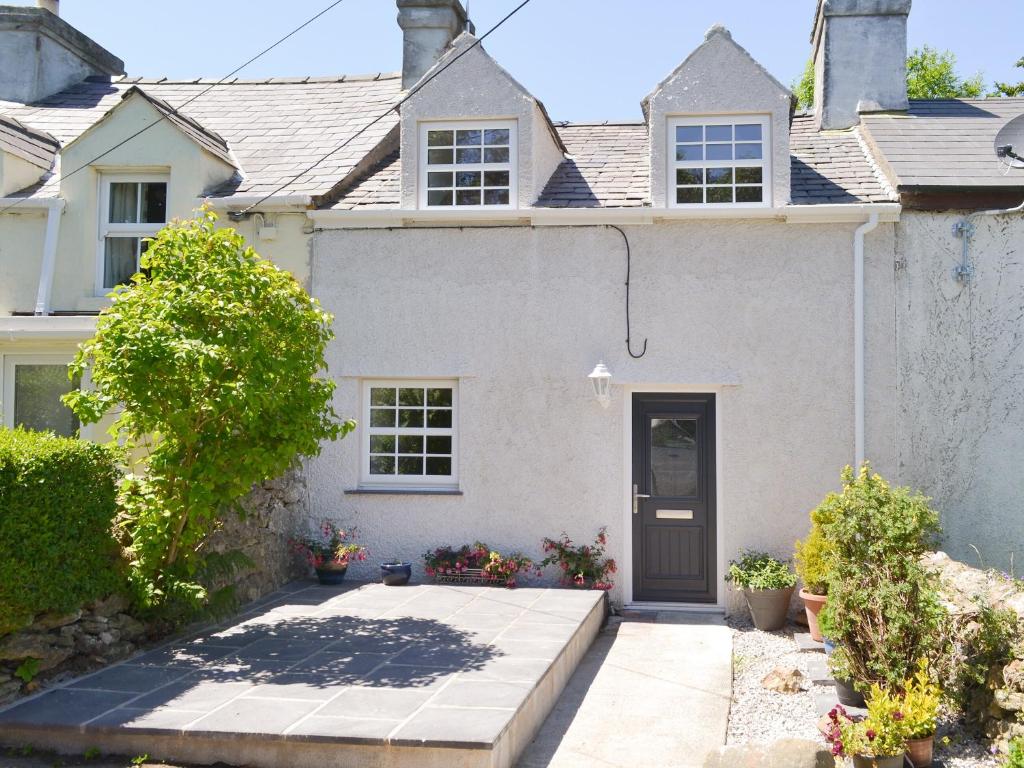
<point x="654" y="693"/>
<point x="805" y="642"/>
<point x="362" y="675"/>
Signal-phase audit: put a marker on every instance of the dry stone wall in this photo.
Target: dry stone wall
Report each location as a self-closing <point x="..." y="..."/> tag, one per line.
<point x="965" y="591"/>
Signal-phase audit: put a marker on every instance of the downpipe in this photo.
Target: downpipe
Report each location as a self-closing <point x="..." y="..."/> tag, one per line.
<point x="55" y="208"/>
<point x="858" y="337"/>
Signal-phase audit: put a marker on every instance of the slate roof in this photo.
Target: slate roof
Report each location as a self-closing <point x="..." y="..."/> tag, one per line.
<point x="944" y="143"/>
<point x="274" y="127"/>
<point x="35" y="146"/>
<point x="608" y="168"/>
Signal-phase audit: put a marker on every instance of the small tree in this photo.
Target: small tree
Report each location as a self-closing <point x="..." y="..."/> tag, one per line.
<point x="214" y="358"/>
<point x="931" y="74"/>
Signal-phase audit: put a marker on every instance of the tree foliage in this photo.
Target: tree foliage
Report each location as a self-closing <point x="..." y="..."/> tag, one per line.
<point x="803" y="88"/>
<point x="1010" y="89"/>
<point x="214" y="360"/>
<point x="931" y="74"/>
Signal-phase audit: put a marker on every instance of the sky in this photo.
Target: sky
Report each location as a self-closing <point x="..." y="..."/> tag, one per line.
<point x="608" y="54"/>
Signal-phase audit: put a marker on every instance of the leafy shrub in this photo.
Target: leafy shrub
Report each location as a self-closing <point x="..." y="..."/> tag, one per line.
<point x="1015" y="758"/>
<point x="330" y="545"/>
<point x="583" y="566"/>
<point x="759" y="570"/>
<point x="921" y="699"/>
<point x="813" y="556"/>
<point x="883" y="609"/>
<point x="57" y="507"/>
<point x="883" y="733"/>
<point x="219" y="354"/>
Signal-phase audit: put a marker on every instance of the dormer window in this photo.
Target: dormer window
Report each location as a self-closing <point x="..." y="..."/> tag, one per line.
<point x="719" y="161"/>
<point x="467" y="165"/>
<point x="132" y="208"/>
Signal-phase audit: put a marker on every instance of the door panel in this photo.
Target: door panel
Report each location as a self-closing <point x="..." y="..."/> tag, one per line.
<point x="674" y="521"/>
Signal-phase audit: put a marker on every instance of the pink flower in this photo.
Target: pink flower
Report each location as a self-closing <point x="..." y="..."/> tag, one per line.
<point x="870" y="733"/>
<point x="897" y="716"/>
<point x="837" y="748"/>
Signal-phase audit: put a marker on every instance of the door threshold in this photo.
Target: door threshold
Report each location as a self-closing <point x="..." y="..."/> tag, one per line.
<point x="678" y="607"/>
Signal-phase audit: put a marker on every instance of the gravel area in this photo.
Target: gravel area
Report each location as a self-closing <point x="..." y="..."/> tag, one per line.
<point x="762" y="716"/>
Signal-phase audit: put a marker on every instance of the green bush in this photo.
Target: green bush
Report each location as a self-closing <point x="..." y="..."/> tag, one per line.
<point x="57" y="506"/>
<point x="1016" y="757"/>
<point x="883" y="610"/>
<point x="813" y="555"/>
<point x="759" y="570"/>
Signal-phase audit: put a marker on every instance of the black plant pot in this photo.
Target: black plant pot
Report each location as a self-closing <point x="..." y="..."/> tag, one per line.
<point x="395" y="574"/>
<point x="848" y="696"/>
<point x="332" y="575"/>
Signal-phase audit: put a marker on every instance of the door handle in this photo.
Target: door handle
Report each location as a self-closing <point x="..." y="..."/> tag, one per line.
<point x="636" y="499"/>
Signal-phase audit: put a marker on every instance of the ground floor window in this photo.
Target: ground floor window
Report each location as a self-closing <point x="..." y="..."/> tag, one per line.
<point x="409" y="433"/>
<point x="33" y="385"/>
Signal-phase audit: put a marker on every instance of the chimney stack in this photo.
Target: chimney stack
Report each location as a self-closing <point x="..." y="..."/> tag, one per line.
<point x="428" y="28"/>
<point x="41" y="54"/>
<point x="860" y="59"/>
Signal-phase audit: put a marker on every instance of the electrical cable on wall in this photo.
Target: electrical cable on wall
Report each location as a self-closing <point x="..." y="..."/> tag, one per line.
<point x="629" y="259"/>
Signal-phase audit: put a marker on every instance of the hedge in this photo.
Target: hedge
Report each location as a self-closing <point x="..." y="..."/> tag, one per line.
<point x="57" y="507"/>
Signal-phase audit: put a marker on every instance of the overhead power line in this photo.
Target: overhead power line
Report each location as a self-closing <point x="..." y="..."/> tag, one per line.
<point x="178" y="108"/>
<point x="394" y="108"/>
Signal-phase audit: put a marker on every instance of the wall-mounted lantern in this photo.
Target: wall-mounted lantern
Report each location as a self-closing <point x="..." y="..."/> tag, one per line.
<point x="601" y="378"/>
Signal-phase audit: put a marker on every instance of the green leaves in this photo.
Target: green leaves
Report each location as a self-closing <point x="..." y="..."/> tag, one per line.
<point x="883" y="607"/>
<point x="220" y="355"/>
<point x="931" y="74"/>
<point x="759" y="570"/>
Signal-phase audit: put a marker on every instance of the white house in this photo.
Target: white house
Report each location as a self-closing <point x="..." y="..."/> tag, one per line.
<point x="773" y="293"/>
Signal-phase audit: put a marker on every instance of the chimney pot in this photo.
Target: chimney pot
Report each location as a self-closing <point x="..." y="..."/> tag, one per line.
<point x="860" y="59"/>
<point x="428" y="27"/>
<point x="53" y="6"/>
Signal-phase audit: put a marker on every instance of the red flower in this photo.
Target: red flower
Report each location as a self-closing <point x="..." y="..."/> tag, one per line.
<point x="897" y="716"/>
<point x="870" y="733"/>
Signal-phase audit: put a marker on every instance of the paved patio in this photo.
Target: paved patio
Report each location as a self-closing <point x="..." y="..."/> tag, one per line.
<point x="361" y="675"/>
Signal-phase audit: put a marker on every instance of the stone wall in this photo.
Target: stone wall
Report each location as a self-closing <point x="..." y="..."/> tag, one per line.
<point x="965" y="590"/>
<point x="274" y="511"/>
<point x="102" y="633"/>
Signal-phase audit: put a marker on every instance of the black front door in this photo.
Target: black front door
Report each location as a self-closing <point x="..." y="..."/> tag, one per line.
<point x="674" y="536"/>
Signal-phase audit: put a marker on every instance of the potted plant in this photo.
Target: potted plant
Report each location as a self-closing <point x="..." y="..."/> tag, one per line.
<point x="877" y="741"/>
<point x="395" y="573"/>
<point x="584" y="566"/>
<point x="811" y="560"/>
<point x="921" y="699"/>
<point x="767" y="585"/>
<point x="476" y="564"/>
<point x="883" y="610"/>
<point x="329" y="551"/>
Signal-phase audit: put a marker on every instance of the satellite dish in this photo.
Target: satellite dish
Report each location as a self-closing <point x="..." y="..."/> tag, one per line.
<point x="1009" y="144"/>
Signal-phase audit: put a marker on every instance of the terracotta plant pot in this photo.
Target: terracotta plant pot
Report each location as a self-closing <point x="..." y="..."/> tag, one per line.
<point x="920" y="751"/>
<point x="860" y="761"/>
<point x="812" y="605"/>
<point x="331" y="574"/>
<point x="768" y="607"/>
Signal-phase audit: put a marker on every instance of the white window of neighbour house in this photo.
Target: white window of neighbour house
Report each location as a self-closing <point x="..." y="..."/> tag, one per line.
<point x="33" y="386"/>
<point x="410" y="434"/>
<point x="467" y="165"/>
<point x="132" y="208"/>
<point x="719" y="161"/>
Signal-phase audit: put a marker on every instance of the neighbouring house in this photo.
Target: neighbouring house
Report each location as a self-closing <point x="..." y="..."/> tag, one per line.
<point x="680" y="327"/>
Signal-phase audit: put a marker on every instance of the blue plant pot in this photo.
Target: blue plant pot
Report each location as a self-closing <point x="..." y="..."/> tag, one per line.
<point x="330" y="577"/>
<point x="829" y="646"/>
<point x="395" y="574"/>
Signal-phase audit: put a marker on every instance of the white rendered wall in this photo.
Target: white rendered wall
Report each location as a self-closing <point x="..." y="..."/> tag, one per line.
<point x="521" y="316"/>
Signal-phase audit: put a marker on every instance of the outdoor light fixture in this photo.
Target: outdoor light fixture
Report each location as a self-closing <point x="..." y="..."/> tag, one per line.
<point x="601" y="378"/>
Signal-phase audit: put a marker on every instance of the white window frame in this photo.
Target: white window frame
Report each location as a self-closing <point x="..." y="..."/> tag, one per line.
<point x="139" y="230"/>
<point x="765" y="163"/>
<point x="512" y="166"/>
<point x="407" y="482"/>
<point x="10" y="362"/>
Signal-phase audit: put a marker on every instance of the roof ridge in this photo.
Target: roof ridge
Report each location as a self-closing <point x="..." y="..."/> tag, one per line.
<point x="341" y="78"/>
<point x="596" y="123"/>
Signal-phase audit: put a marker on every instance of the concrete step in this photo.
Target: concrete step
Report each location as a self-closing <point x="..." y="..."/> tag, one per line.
<point x="817" y="669"/>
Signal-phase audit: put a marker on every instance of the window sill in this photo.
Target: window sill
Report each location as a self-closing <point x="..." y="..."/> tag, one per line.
<point x="404" y="491"/>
